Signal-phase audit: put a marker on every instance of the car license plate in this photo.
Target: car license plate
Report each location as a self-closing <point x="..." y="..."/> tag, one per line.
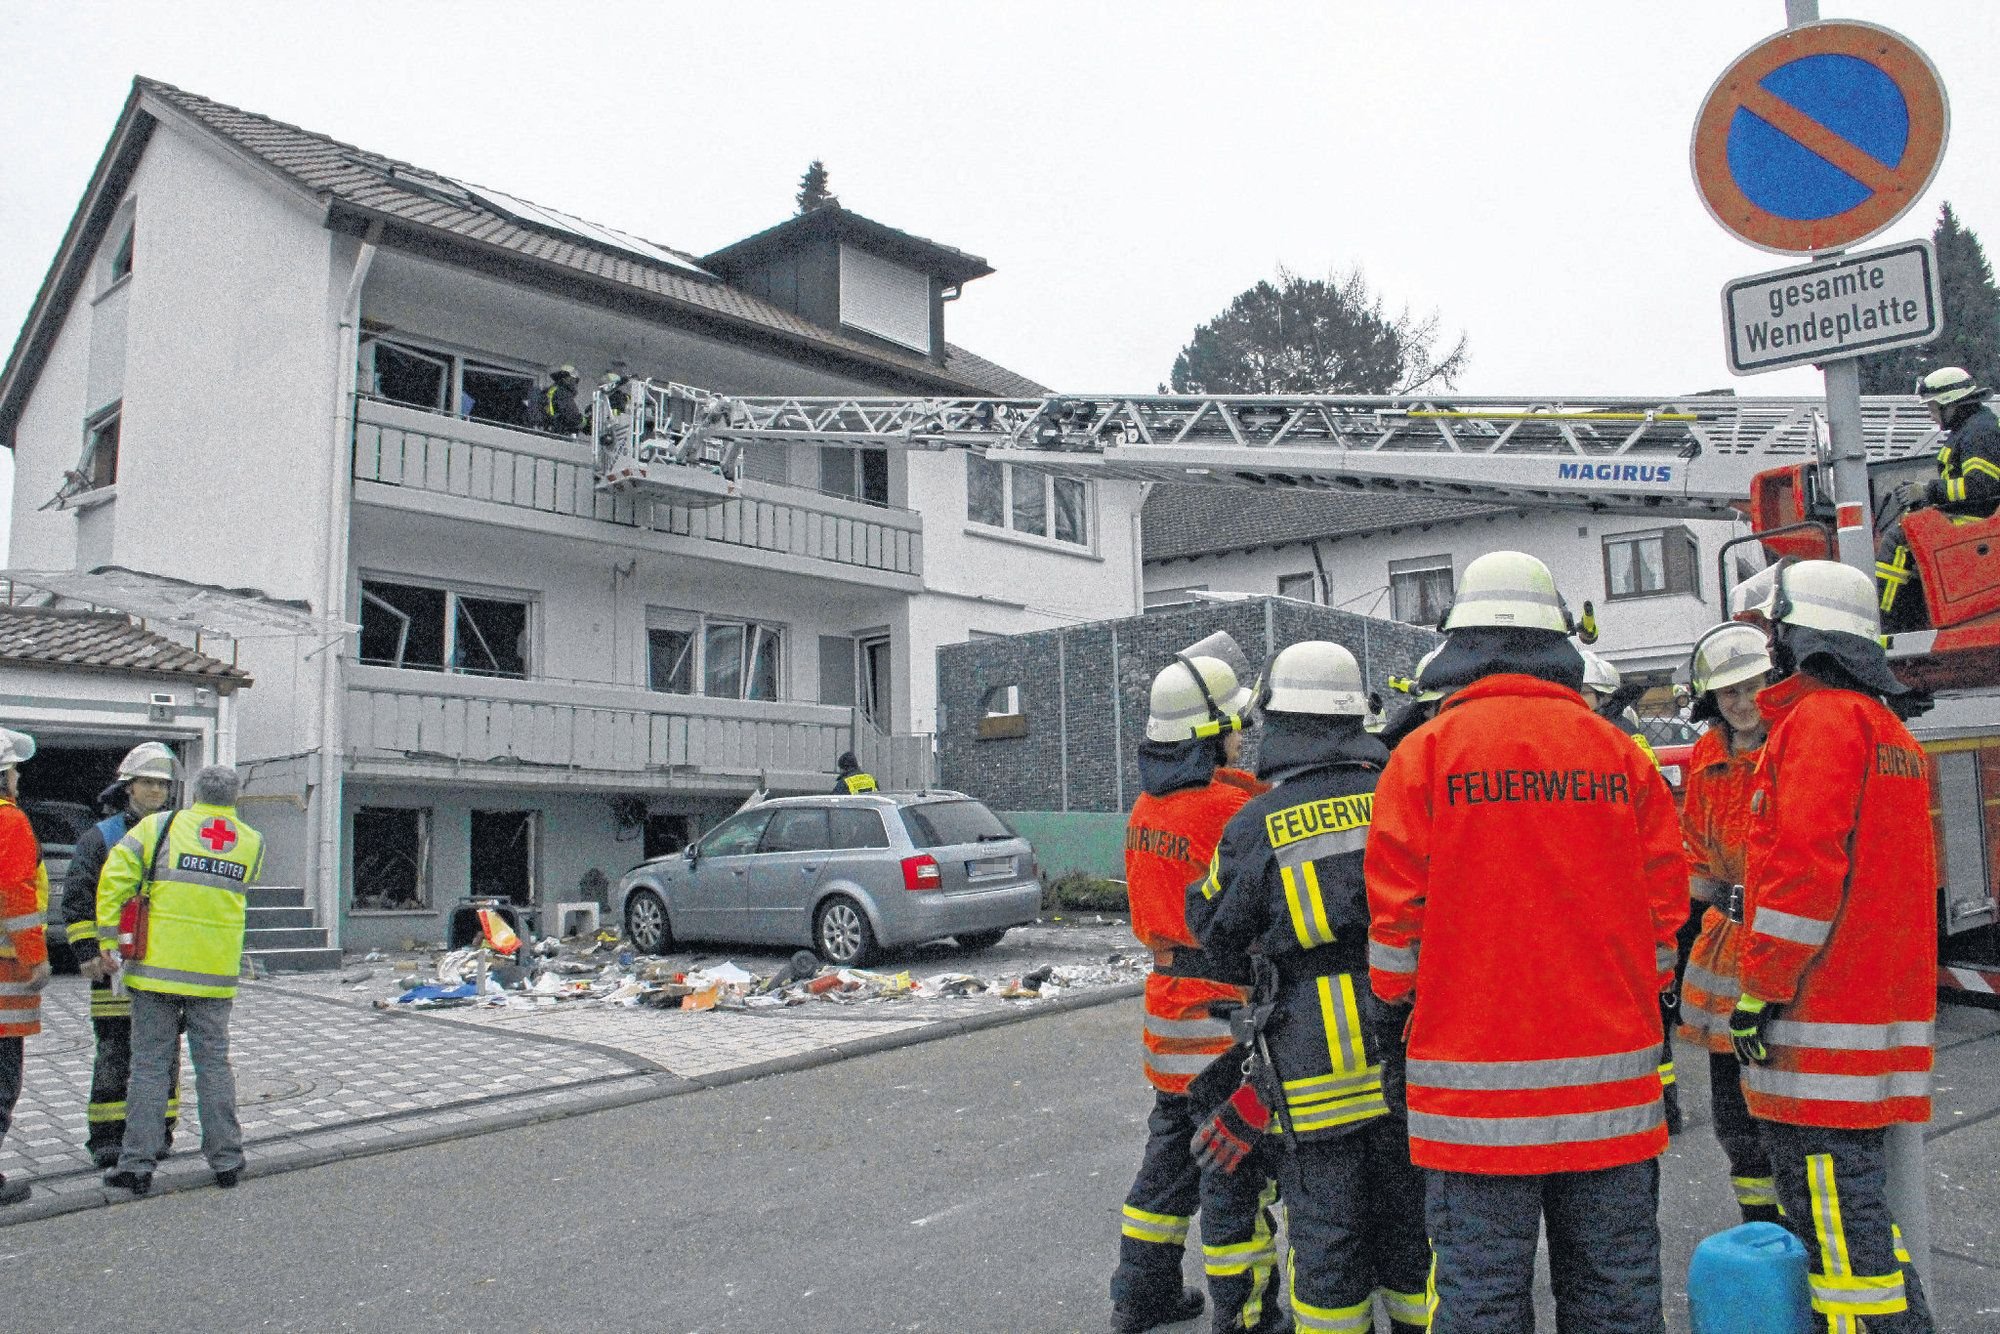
<point x="990" y="869"/>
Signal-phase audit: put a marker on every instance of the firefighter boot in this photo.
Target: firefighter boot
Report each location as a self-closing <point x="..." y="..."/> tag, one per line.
<point x="1137" y="1319"/>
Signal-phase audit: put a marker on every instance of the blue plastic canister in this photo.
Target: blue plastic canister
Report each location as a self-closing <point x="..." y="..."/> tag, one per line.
<point x="1749" y="1280"/>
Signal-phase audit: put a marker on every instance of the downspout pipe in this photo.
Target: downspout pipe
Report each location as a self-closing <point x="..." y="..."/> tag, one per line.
<point x="333" y="596"/>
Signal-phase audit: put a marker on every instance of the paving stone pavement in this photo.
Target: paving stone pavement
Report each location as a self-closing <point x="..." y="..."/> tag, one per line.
<point x="321" y="1074"/>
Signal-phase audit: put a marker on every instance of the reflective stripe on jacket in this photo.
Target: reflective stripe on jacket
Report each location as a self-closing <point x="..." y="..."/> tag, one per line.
<point x="1525" y="880"/>
<point x="24" y="905"/>
<point x="1715" y="822"/>
<point x="194" y="944"/>
<point x="1968" y="480"/>
<point x="79" y="896"/>
<point x="854" y="784"/>
<point x="1169" y="843"/>
<point x="1840" y="912"/>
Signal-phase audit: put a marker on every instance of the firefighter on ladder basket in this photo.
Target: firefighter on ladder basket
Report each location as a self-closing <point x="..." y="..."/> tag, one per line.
<point x="1837" y="963"/>
<point x="1531" y="1056"/>
<point x="1731" y="663"/>
<point x="1966" y="488"/>
<point x="1286" y="888"/>
<point x="1194" y="733"/>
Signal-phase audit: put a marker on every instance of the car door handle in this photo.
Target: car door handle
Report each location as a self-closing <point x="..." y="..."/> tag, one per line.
<point x="808" y="870"/>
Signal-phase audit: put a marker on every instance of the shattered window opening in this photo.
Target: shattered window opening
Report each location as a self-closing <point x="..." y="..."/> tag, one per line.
<point x="426" y="629"/>
<point x="502" y="860"/>
<point x="740" y="660"/>
<point x="670" y="661"/>
<point x="391" y="858"/>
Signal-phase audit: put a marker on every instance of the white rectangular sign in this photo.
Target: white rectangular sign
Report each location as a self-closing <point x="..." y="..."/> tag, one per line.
<point x="1833" y="308"/>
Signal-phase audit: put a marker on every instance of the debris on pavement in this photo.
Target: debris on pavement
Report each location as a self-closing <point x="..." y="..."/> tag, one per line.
<point x="602" y="969"/>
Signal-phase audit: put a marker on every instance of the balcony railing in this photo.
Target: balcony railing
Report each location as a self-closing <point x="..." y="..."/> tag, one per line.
<point x="552" y="733"/>
<point x="520" y="471"/>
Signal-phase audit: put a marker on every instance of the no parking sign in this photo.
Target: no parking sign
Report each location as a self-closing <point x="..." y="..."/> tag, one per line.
<point x="1819" y="137"/>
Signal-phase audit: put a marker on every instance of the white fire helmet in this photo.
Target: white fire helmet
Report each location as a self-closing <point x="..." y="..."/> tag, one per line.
<point x="1194" y="697"/>
<point x="148" y="759"/>
<point x="1729" y="655"/>
<point x="1314" y="676"/>
<point x="1946" y="385"/>
<point x="16" y="748"/>
<point x="1508" y="588"/>
<point x="1599" y="674"/>
<point x="1822" y="595"/>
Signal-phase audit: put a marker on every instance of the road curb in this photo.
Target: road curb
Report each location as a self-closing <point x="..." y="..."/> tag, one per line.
<point x="656" y="1086"/>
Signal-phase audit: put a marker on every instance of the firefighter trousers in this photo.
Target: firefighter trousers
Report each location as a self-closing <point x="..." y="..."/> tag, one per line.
<point x="1239" y="1242"/>
<point x="1354" y="1215"/>
<point x="1158" y="1209"/>
<point x="111" y="1071"/>
<point x="13" y="1054"/>
<point x="1604" y="1250"/>
<point x="1742" y="1139"/>
<point x="1896" y="576"/>
<point x="1833" y="1185"/>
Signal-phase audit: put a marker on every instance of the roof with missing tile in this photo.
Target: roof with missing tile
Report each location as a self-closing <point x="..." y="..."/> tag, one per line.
<point x="103" y="641"/>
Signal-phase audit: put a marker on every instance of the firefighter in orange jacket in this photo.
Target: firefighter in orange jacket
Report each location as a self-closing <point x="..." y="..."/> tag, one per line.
<point x="1532" y="1063"/>
<point x="1838" y="960"/>
<point x="1194" y="731"/>
<point x="1731" y="663"/>
<point x="24" y="950"/>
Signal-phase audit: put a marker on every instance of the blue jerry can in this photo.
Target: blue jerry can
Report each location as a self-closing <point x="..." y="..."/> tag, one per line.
<point x="1749" y="1280"/>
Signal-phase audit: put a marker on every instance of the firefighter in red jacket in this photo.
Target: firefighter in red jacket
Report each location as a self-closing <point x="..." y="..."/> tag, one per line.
<point x="24" y="950"/>
<point x="1194" y="732"/>
<point x="1837" y="964"/>
<point x="1532" y="1064"/>
<point x="1731" y="663"/>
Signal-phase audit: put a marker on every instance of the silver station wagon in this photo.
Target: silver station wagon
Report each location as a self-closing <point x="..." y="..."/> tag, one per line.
<point x="844" y="876"/>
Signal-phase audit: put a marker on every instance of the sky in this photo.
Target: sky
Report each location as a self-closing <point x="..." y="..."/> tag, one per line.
<point x="1520" y="168"/>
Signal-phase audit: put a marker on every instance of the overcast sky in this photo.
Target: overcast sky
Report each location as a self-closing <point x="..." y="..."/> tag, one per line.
<point x="1519" y="167"/>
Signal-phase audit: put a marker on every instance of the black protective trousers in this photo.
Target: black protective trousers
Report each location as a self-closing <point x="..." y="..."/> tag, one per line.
<point x="1354" y="1217"/>
<point x="110" y="1072"/>
<point x="1742" y="1140"/>
<point x="1604" y="1250"/>
<point x="1833" y="1185"/>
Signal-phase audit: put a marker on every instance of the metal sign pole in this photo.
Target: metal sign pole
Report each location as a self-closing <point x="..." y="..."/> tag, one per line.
<point x="1908" y="1174"/>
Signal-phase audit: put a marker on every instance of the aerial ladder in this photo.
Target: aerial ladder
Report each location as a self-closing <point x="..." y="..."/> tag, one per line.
<point x="1696" y="457"/>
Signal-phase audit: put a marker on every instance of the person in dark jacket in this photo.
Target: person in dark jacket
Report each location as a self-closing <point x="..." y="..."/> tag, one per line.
<point x="1967" y="487"/>
<point x="852" y="777"/>
<point x="556" y="409"/>
<point x="145" y="778"/>
<point x="1287" y="886"/>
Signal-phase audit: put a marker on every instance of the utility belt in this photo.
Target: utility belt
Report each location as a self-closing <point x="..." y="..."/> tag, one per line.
<point x="1730" y="901"/>
<point x="1188" y="961"/>
<point x="1321" y="961"/>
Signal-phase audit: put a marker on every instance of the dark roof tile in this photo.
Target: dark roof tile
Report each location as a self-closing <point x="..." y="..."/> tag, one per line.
<point x="1185" y="521"/>
<point x="104" y="640"/>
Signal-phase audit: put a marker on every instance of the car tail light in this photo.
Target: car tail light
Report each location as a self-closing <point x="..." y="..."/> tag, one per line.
<point x="921" y="872"/>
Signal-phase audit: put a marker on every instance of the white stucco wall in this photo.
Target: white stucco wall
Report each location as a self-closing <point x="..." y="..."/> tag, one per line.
<point x="1638" y="632"/>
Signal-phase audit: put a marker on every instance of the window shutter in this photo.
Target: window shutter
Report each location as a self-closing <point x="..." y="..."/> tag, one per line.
<point x="885" y="299"/>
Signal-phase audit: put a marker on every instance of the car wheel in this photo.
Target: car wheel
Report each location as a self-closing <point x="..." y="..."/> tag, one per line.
<point x="973" y="941"/>
<point x="646" y="923"/>
<point x="841" y="933"/>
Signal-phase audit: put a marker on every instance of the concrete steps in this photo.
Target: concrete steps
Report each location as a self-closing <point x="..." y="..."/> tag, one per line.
<point x="279" y="932"/>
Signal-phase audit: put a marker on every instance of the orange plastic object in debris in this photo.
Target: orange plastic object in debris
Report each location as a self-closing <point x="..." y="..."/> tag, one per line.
<point x="500" y="937"/>
<point x="819" y="986"/>
<point x="1781" y="496"/>
<point x="1959" y="564"/>
<point x="704" y="999"/>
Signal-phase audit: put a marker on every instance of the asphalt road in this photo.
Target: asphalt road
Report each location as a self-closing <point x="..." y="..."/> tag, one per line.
<point x="971" y="1185"/>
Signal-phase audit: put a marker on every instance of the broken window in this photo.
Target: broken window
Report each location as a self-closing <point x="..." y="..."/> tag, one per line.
<point x="434" y="629"/>
<point x="495" y="394"/>
<point x="121" y="258"/>
<point x="405" y="375"/>
<point x="391" y="858"/>
<point x="670" y="660"/>
<point x="740" y="660"/>
<point x="99" y="465"/>
<point x="503" y="855"/>
<point x="859" y="474"/>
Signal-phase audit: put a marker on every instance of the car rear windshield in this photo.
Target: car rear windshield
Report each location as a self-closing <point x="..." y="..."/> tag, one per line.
<point x="938" y="824"/>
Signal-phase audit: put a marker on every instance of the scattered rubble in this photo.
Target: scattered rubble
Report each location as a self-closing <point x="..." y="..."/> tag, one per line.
<point x="604" y="970"/>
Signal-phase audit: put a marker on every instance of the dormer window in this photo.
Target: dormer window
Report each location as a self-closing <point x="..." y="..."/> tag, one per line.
<point x="885" y="299"/>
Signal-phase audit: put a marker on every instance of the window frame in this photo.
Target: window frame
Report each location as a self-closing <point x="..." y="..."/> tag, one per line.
<point x="426" y="817"/>
<point x="453" y="593"/>
<point x="456" y="360"/>
<point x="1292" y="580"/>
<point x="1688" y="564"/>
<point x="89" y="464"/>
<point x="1421" y="566"/>
<point x="697" y="625"/>
<point x="1012" y="499"/>
<point x="855" y="459"/>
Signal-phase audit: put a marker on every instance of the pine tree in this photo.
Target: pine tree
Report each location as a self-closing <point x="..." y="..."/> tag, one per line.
<point x="812" y="189"/>
<point x="1971" y="336"/>
<point x="1315" y="336"/>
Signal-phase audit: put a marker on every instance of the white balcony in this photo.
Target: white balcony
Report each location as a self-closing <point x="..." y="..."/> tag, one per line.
<point x="431" y="727"/>
<point x="430" y="464"/>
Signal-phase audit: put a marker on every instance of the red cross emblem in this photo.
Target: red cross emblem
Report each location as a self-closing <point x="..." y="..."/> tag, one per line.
<point x="219" y="834"/>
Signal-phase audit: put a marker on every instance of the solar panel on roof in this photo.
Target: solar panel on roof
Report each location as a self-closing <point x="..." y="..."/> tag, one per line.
<point x="590" y="233"/>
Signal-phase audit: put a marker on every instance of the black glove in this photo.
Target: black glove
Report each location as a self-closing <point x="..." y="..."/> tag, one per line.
<point x="1747" y="1023"/>
<point x="1910" y="496"/>
<point x="1390" y="1025"/>
<point x="1231" y="1135"/>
